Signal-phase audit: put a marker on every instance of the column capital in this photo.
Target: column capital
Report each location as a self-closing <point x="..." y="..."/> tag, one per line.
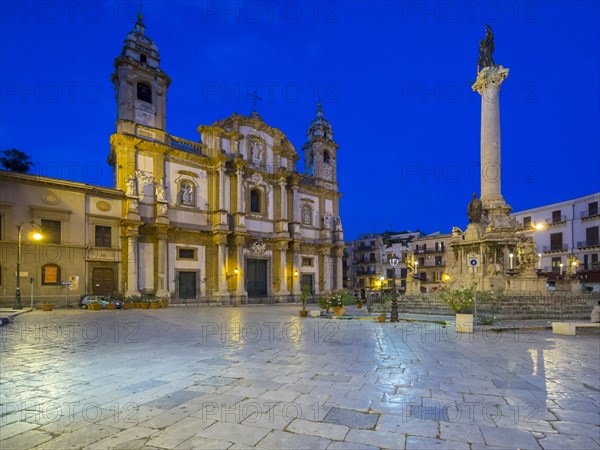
<point x="490" y="77"/>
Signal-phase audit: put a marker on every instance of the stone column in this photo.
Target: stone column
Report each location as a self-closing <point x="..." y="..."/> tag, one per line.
<point x="488" y="85"/>
<point x="132" y="264"/>
<point x="339" y="268"/>
<point x="294" y="257"/>
<point x="161" y="257"/>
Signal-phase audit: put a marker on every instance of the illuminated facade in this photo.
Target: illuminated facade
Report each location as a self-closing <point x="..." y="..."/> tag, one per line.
<point x="227" y="218"/>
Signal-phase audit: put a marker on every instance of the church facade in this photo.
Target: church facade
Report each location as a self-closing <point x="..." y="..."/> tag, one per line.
<point x="225" y="219"/>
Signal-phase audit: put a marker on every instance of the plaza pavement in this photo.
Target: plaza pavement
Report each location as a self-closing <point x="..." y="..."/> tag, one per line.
<point x="261" y="377"/>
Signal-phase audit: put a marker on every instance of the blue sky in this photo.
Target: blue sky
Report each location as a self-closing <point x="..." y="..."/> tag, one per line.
<point x="394" y="78"/>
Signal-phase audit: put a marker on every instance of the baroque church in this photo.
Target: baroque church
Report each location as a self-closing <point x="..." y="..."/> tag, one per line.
<point x="226" y="219"/>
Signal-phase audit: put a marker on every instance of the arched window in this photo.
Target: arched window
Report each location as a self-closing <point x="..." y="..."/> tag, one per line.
<point x="50" y="274"/>
<point x="144" y="92"/>
<point x="326" y="157"/>
<point x="255" y="201"/>
<point x="143" y="58"/>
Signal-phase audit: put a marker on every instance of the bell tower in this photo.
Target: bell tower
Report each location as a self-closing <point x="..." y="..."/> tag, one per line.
<point x="320" y="158"/>
<point x="140" y="84"/>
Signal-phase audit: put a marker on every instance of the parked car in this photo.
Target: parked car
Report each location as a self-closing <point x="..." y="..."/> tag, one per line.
<point x="87" y="299"/>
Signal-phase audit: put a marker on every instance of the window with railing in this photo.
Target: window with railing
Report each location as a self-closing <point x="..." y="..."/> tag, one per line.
<point x="556" y="216"/>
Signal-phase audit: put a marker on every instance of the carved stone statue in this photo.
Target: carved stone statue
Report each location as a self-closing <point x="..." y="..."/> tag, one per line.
<point x="186" y="193"/>
<point x="161" y="193"/>
<point x="130" y="188"/>
<point x="526" y="254"/>
<point x="486" y="48"/>
<point x="474" y="210"/>
<point x="409" y="260"/>
<point x="256" y="152"/>
<point x="306" y="219"/>
<point x="338" y="224"/>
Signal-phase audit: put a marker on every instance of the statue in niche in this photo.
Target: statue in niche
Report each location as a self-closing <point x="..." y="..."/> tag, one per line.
<point x="256" y="151"/>
<point x="306" y="219"/>
<point x="186" y="193"/>
<point x="474" y="209"/>
<point x="486" y="48"/>
<point x="326" y="221"/>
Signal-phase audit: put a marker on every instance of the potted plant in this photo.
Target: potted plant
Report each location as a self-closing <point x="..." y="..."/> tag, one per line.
<point x="305" y="291"/>
<point x="323" y="304"/>
<point x="462" y="302"/>
<point x="337" y="300"/>
<point x="381" y="309"/>
<point x="46" y="306"/>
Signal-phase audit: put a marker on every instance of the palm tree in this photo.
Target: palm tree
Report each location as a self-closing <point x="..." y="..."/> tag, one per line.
<point x="15" y="161"/>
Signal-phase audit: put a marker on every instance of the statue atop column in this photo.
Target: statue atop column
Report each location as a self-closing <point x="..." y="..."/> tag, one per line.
<point x="474" y="210"/>
<point x="486" y="48"/>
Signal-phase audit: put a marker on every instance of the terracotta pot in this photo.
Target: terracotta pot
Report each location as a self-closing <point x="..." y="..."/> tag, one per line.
<point x="381" y="319"/>
<point x="144" y="305"/>
<point x="154" y="305"/>
<point x="46" y="306"/>
<point x="358" y="305"/>
<point x="164" y="304"/>
<point x="94" y="306"/>
<point x="303" y="313"/>
<point x="111" y="306"/>
<point x="338" y="310"/>
<point x="127" y="306"/>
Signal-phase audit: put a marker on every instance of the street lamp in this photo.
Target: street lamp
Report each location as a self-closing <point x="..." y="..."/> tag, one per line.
<point x="394" y="316"/>
<point x="37" y="236"/>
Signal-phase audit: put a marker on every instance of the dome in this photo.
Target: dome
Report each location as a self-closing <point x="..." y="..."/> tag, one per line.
<point x="320" y="126"/>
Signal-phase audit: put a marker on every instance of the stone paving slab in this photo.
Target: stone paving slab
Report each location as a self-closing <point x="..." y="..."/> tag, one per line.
<point x="186" y="378"/>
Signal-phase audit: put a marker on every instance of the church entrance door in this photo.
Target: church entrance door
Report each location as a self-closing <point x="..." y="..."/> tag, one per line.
<point x="187" y="285"/>
<point x="256" y="275"/>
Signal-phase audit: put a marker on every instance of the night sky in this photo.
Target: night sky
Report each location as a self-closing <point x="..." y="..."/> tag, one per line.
<point x="394" y="78"/>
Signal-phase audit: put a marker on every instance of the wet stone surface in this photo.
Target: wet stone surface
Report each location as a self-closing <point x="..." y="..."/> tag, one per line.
<point x="261" y="377"/>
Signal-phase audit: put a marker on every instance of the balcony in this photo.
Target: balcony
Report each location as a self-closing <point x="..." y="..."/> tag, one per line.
<point x="429" y="251"/>
<point x="555" y="248"/>
<point x="365" y="272"/>
<point x="556" y="220"/>
<point x="589" y="214"/>
<point x="589" y="243"/>
<point x="186" y="146"/>
<point x="432" y="263"/>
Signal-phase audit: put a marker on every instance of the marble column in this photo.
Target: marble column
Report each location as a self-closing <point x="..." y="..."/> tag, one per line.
<point x="488" y="85"/>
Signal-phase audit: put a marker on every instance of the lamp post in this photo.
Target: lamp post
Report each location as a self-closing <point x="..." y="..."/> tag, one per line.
<point x="394" y="316"/>
<point x="36" y="236"/>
